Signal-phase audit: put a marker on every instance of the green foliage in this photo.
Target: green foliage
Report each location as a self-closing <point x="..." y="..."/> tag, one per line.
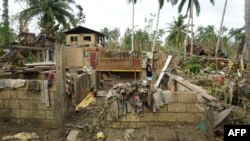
<point x="192" y="65"/>
<point x="52" y="14"/>
<point x="177" y="33"/>
<point x="30" y="57"/>
<point x="111" y="37"/>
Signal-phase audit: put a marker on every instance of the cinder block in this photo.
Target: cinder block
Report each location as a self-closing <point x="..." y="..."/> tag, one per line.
<point x="49" y="114"/>
<point x="132" y="117"/>
<point x="32" y="95"/>
<point x="1" y="104"/>
<point x="13" y="95"/>
<point x="186" y="117"/>
<point x="140" y="124"/>
<point x="6" y="104"/>
<point x="48" y="123"/>
<point x="187" y="98"/>
<point x="22" y="95"/>
<point x="177" y="107"/>
<point x="116" y="124"/>
<point x="5" y="94"/>
<point x="169" y="117"/>
<point x="5" y="113"/>
<point x="14" y="104"/>
<point x="28" y="104"/>
<point x="163" y="109"/>
<point x="23" y="113"/>
<point x="148" y="117"/>
<point x="37" y="114"/>
<point x="194" y="108"/>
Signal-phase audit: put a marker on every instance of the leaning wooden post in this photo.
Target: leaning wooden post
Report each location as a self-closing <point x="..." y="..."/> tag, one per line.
<point x="60" y="98"/>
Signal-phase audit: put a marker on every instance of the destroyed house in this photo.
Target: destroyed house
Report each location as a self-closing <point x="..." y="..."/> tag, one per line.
<point x="83" y="37"/>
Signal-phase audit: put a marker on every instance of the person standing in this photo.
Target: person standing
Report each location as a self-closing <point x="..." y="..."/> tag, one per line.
<point x="149" y="73"/>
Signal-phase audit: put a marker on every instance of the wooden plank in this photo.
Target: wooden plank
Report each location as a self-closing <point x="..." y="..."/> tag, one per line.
<point x="193" y="87"/>
<point x="40" y="64"/>
<point x="30" y="48"/>
<point x="163" y="70"/>
<point x="60" y="97"/>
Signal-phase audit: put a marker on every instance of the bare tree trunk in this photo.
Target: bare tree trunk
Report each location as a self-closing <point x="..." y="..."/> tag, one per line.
<point x="133" y="26"/>
<point x="247" y="26"/>
<point x="186" y="38"/>
<point x="220" y="33"/>
<point x="192" y="27"/>
<point x="155" y="35"/>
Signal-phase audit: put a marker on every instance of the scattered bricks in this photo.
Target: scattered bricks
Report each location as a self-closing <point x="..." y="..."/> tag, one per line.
<point x="170" y="117"/>
<point x="199" y="117"/>
<point x="29" y="104"/>
<point x="1" y="104"/>
<point x="49" y="114"/>
<point x="73" y="134"/>
<point x="36" y="114"/>
<point x="186" y="117"/>
<point x="116" y="124"/>
<point x="187" y="98"/>
<point x="148" y="117"/>
<point x="5" y="94"/>
<point x="177" y="107"/>
<point x="195" y="108"/>
<point x="14" y="104"/>
<point x="22" y="95"/>
<point x="6" y="104"/>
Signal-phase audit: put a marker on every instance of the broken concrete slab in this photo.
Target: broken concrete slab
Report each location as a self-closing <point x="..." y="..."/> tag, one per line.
<point x="73" y="134"/>
<point x="218" y="118"/>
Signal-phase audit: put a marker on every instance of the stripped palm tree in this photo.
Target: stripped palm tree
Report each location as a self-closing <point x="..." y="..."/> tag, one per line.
<point x="191" y="4"/>
<point x="247" y="28"/>
<point x="133" y="24"/>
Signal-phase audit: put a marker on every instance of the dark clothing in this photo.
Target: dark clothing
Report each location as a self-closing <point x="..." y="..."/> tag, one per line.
<point x="149" y="70"/>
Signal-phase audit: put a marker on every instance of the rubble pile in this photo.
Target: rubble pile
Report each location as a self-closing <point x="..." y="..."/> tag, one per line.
<point x="134" y="97"/>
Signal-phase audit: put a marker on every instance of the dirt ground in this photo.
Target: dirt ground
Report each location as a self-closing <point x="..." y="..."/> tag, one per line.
<point x="92" y="119"/>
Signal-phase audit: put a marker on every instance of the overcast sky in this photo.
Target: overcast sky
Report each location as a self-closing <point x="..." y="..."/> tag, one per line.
<point x="118" y="13"/>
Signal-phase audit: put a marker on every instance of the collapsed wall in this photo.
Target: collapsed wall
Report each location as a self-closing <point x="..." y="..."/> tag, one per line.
<point x="186" y="108"/>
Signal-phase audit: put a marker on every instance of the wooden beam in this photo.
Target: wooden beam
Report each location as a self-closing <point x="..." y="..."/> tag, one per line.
<point x="60" y="97"/>
<point x="193" y="87"/>
<point x="30" y="48"/>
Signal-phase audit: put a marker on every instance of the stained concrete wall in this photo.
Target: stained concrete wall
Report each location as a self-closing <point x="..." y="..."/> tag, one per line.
<point x="184" y="109"/>
<point x="20" y="105"/>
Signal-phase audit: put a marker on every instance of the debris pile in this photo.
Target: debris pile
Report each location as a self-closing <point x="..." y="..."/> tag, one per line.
<point x="133" y="97"/>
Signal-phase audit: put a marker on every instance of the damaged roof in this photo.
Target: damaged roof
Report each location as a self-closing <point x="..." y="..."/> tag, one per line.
<point x="81" y="29"/>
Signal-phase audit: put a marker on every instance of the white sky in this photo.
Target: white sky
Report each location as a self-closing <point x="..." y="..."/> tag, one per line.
<point x="118" y="13"/>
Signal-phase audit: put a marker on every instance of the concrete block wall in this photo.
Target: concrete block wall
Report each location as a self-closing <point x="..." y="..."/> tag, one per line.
<point x="186" y="108"/>
<point x="20" y="105"/>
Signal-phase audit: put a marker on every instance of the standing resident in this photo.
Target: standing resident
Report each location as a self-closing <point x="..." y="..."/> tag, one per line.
<point x="149" y="73"/>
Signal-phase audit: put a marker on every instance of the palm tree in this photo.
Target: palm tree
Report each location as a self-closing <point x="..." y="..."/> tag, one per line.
<point x="161" y="3"/>
<point x="49" y="12"/>
<point x="191" y="4"/>
<point x="177" y="33"/>
<point x="133" y="26"/>
<point x="247" y="26"/>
